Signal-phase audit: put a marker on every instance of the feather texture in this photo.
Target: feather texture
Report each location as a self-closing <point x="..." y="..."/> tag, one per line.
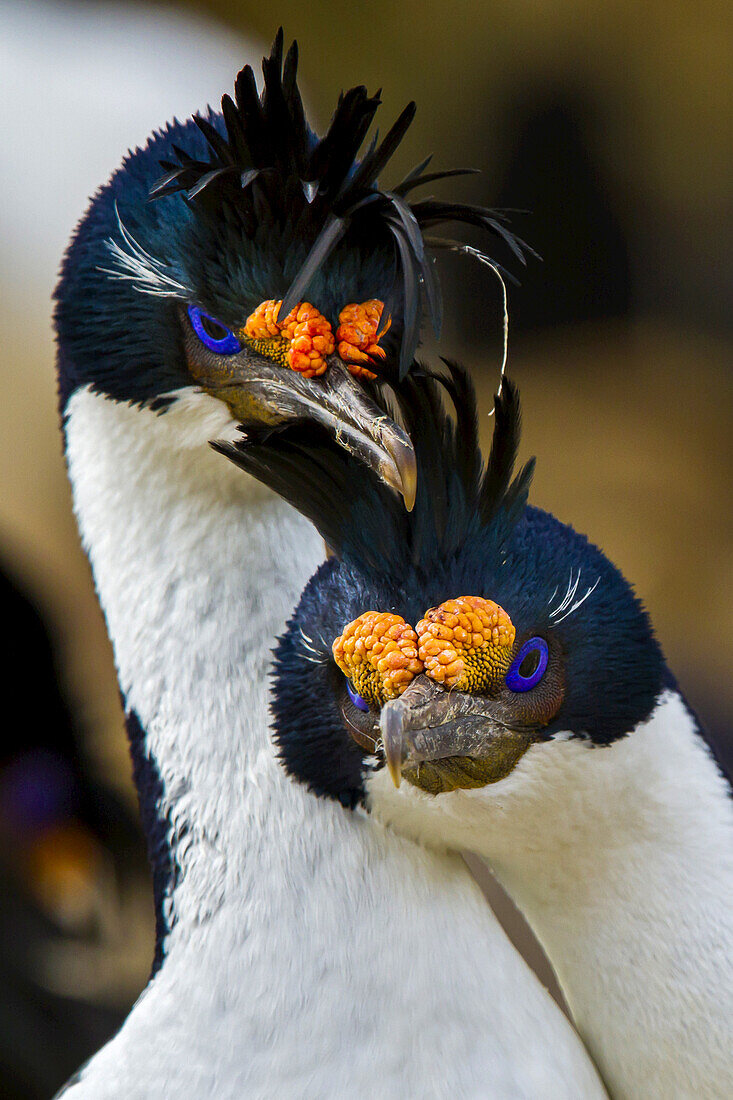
<point x="267" y="165"/>
<point x="360" y="518"/>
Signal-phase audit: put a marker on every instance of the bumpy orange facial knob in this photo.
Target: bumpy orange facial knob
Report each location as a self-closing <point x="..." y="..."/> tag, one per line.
<point x="356" y="335"/>
<point x="305" y="336"/>
<point x="263" y="324"/>
<point x="311" y="339"/>
<point x="466" y="643"/>
<point x="378" y="653"/>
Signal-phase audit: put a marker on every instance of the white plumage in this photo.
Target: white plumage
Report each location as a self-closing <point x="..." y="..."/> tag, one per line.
<point x="310" y="952"/>
<point x="621" y="858"/>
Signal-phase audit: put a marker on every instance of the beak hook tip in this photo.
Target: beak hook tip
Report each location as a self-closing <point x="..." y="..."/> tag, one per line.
<point x="392" y="725"/>
<point x="395" y="771"/>
<point x="409" y="493"/>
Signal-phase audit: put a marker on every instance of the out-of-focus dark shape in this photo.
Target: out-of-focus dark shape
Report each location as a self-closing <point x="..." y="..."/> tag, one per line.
<point x="46" y="780"/>
<point x="43" y="1036"/>
<point x="572" y="223"/>
<point x="71" y="856"/>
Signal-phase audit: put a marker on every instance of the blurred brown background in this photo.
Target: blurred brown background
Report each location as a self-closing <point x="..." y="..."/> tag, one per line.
<point x="611" y="124"/>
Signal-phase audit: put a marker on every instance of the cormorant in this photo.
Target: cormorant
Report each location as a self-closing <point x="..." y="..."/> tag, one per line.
<point x="496" y="660"/>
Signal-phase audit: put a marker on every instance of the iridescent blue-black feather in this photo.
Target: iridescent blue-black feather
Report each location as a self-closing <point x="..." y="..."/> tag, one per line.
<point x="266" y="163"/>
<point x="472" y="532"/>
<point x="362" y="520"/>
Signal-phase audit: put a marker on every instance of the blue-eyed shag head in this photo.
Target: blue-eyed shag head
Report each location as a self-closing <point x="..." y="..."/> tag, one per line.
<point x="445" y="642"/>
<point x="241" y="256"/>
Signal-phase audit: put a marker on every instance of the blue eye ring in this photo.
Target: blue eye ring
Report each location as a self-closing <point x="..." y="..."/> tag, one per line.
<point x="356" y="699"/>
<point x="518" y="681"/>
<point x="225" y="345"/>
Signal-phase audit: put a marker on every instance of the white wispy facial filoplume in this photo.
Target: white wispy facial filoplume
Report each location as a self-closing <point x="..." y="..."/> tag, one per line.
<point x="131" y="263"/>
<point x="568" y="605"/>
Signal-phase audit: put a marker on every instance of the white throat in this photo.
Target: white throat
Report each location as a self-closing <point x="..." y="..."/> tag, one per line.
<point x="310" y="952"/>
<point x="197" y="567"/>
<point x="622" y="860"/>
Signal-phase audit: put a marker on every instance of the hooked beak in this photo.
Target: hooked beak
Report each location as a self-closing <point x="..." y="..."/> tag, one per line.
<point x="261" y="392"/>
<point x="441" y="740"/>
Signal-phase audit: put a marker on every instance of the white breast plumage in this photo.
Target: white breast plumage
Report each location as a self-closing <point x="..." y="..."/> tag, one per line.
<point x="310" y="951"/>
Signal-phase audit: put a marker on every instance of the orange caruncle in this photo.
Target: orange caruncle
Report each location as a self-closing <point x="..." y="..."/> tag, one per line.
<point x="311" y="339"/>
<point x="357" y="335"/>
<point x="262" y="324"/>
<point x="378" y="653"/>
<point x="466" y="643"/>
<point x="307" y="332"/>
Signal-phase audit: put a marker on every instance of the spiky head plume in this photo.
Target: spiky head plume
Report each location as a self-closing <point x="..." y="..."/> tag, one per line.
<point x="459" y="498"/>
<point x="267" y="170"/>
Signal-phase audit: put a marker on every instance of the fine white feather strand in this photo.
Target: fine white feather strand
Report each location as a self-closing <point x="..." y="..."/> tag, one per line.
<point x="135" y="265"/>
<point x="578" y="603"/>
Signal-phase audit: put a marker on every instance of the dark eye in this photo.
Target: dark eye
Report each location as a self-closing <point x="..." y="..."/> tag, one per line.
<point x="216" y="336"/>
<point x="356" y="699"/>
<point x="529" y="665"/>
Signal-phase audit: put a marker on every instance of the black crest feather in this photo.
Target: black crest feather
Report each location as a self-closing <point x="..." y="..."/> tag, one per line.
<point x="263" y="156"/>
<point x="458" y="494"/>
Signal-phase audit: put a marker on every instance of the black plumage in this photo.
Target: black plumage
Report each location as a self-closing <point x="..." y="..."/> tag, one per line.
<point x="265" y="163"/>
<point x="254" y="206"/>
<point x="472" y="532"/>
<point x="457" y="494"/>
